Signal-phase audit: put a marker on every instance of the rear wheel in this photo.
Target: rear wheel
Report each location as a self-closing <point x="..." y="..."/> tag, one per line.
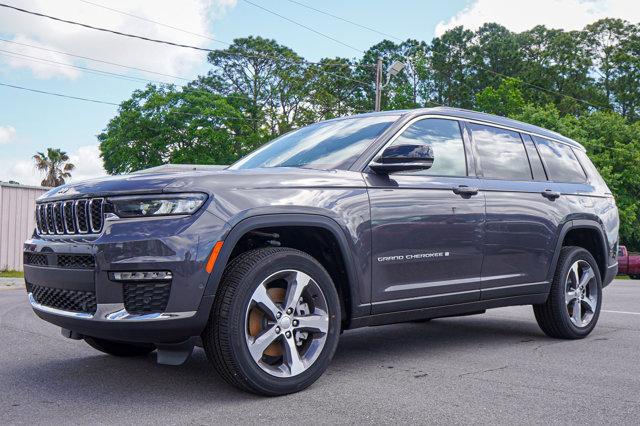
<point x="573" y="306"/>
<point x="275" y="323"/>
<point x="119" y="348"/>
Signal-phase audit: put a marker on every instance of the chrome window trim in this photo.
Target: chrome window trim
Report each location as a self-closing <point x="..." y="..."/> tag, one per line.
<point x="465" y="120"/>
<point x="409" y="124"/>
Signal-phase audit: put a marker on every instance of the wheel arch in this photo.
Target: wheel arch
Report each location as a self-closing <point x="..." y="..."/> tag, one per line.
<point x="349" y="291"/>
<point x="585" y="233"/>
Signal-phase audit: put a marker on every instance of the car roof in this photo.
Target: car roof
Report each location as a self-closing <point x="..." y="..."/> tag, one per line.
<point x="483" y="117"/>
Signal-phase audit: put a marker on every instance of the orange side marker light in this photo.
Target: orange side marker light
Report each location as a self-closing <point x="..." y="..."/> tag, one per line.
<point x="213" y="256"/>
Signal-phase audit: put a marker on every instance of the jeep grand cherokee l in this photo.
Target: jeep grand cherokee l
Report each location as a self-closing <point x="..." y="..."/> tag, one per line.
<point x="353" y="222"/>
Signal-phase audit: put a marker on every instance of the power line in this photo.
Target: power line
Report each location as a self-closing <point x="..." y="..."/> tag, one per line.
<point x="342" y="19"/>
<point x="86" y="69"/>
<point x="170" y="43"/>
<point x="433" y="52"/>
<point x="142" y="18"/>
<point x="99" y="101"/>
<point x="94" y="59"/>
<point x="304" y="26"/>
<point x="106" y="30"/>
<point x="61" y="95"/>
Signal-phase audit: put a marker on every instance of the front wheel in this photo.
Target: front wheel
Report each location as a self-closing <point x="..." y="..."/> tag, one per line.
<point x="275" y="322"/>
<point x="573" y="306"/>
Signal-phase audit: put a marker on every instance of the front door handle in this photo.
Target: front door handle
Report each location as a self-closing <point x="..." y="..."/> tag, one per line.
<point x="550" y="194"/>
<point x="465" y="190"/>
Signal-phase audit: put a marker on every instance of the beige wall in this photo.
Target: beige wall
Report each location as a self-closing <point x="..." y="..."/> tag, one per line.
<point x="17" y="222"/>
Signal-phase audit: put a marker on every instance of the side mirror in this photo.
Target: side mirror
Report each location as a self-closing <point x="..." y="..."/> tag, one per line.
<point x="400" y="158"/>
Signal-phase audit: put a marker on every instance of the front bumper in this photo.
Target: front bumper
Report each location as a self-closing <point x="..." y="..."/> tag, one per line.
<point x="175" y="244"/>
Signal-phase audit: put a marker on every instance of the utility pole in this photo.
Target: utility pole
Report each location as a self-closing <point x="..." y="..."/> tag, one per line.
<point x="378" y="83"/>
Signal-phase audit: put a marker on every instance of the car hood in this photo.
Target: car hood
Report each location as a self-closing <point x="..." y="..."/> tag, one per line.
<point x="206" y="181"/>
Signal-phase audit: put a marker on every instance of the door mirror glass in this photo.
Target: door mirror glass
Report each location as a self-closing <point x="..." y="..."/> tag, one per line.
<point x="398" y="158"/>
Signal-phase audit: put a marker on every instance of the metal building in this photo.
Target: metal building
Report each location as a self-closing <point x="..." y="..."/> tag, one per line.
<point x="17" y="221"/>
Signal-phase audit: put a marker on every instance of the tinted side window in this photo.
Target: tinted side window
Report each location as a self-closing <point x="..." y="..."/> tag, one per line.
<point x="501" y="152"/>
<point x="444" y="138"/>
<point x="534" y="158"/>
<point x="592" y="172"/>
<point x="560" y="160"/>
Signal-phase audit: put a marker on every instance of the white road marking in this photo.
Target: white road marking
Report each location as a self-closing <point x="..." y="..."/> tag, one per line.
<point x="621" y="312"/>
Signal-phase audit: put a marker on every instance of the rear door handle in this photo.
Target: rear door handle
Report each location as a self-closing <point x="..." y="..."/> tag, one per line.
<point x="465" y="190"/>
<point x="550" y="194"/>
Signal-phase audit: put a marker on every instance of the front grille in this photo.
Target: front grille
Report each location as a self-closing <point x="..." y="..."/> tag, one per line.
<point x="84" y="216"/>
<point x="67" y="300"/>
<point x="146" y="298"/>
<point x="76" y="261"/>
<point x="69" y="261"/>
<point x="36" y="259"/>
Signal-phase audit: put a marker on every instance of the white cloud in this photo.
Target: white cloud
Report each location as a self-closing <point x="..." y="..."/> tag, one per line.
<point x="195" y="16"/>
<point x="88" y="163"/>
<point x="86" y="159"/>
<point x="523" y="15"/>
<point x="7" y="134"/>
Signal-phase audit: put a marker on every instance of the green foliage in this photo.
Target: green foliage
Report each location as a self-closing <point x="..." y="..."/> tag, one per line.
<point x="583" y="84"/>
<point x="56" y="166"/>
<point x="11" y="274"/>
<point x="506" y="100"/>
<point x="613" y="144"/>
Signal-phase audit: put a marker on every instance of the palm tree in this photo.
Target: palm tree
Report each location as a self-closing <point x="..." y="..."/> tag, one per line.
<point x="56" y="166"/>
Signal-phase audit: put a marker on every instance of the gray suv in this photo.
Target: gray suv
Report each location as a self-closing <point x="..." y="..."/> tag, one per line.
<point x="361" y="221"/>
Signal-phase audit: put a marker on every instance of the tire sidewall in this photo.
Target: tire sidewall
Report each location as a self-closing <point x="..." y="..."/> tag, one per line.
<point x="575" y="255"/>
<point x="266" y="383"/>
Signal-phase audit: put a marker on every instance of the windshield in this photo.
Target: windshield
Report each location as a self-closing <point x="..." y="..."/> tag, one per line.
<point x="333" y="144"/>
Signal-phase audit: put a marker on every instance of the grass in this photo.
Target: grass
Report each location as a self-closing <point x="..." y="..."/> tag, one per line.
<point x="11" y="274"/>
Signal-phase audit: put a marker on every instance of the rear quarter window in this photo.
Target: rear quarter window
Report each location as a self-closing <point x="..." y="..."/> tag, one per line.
<point x="562" y="164"/>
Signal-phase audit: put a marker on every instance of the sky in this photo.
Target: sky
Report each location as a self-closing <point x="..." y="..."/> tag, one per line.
<point x="31" y="122"/>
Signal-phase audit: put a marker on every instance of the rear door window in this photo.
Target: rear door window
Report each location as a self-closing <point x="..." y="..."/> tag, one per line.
<point x="562" y="164"/>
<point x="501" y="153"/>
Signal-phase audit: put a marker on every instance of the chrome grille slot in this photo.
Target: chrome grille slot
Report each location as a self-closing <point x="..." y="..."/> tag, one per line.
<point x="81" y="216"/>
<point x="67" y="215"/>
<point x="50" y="225"/>
<point x="42" y="212"/>
<point x="57" y="218"/>
<point x="96" y="214"/>
<point x="38" y="221"/>
<point x="70" y="217"/>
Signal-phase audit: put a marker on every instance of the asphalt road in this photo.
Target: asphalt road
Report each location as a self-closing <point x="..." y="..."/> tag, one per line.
<point x="491" y="368"/>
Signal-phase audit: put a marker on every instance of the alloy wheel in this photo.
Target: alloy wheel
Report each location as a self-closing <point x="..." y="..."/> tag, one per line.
<point x="286" y="323"/>
<point x="581" y="293"/>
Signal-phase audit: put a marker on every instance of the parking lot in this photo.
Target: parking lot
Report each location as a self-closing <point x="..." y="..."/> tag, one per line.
<point x="496" y="367"/>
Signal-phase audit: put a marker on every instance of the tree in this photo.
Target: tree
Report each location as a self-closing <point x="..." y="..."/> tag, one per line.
<point x="613" y="144"/>
<point x="505" y="100"/>
<point x="55" y="164"/>
<point x="161" y="125"/>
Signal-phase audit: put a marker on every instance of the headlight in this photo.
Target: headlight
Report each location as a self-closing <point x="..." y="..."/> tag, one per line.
<point x="157" y="205"/>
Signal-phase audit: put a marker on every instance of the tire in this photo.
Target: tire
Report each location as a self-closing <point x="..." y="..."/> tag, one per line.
<point x="120" y="349"/>
<point x="558" y="317"/>
<point x="229" y="333"/>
